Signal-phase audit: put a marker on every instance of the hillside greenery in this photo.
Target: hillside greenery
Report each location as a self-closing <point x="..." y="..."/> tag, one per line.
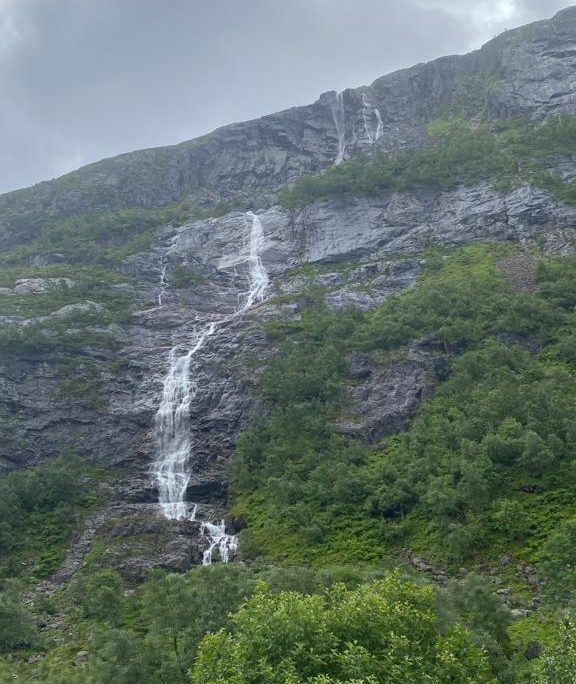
<point x="460" y="152"/>
<point x="385" y="631"/>
<point x="452" y="484"/>
<point x="485" y="469"/>
<point x="199" y="626"/>
<point x="39" y="508"/>
<point x="483" y="477"/>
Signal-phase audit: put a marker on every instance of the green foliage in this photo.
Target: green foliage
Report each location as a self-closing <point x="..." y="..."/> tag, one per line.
<point x="383" y="632"/>
<point x="56" y="335"/>
<point x="502" y="418"/>
<point x="559" y="662"/>
<point x="472" y="604"/>
<point x="102" y="596"/>
<point x="39" y="507"/>
<point x="101" y="238"/>
<point x="167" y="619"/>
<point x="559" y="561"/>
<point x="459" y="153"/>
<point x="182" y="277"/>
<point x="17" y="628"/>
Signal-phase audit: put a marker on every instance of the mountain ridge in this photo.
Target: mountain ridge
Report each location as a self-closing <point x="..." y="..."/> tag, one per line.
<point x="264" y="154"/>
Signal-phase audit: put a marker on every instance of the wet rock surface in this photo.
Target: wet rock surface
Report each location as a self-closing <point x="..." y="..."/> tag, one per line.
<point x="360" y="251"/>
<point x="387" y="399"/>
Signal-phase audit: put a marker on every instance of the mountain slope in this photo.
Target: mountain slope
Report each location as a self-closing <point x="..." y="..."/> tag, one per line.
<point x="524" y="72"/>
<point x="402" y="291"/>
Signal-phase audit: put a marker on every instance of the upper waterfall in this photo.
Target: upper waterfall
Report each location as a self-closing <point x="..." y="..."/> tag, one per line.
<point x="339" y="116"/>
<point x="373" y="125"/>
<point x="258" y="277"/>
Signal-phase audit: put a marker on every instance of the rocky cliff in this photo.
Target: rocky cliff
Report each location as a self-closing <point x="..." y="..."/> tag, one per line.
<point x="526" y="72"/>
<point x="359" y="250"/>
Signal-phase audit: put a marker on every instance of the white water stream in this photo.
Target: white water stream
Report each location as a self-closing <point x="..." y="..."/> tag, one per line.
<point x="163" y="281"/>
<point x="373" y="125"/>
<point x="339" y="116"/>
<point x="171" y="425"/>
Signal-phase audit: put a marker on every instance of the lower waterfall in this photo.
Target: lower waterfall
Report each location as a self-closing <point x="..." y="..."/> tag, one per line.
<point x="171" y="424"/>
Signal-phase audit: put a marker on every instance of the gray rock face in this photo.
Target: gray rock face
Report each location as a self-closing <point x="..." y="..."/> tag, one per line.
<point x="408" y="223"/>
<point x="359" y="250"/>
<point x="524" y="72"/>
<point x="387" y="399"/>
<point x="35" y="285"/>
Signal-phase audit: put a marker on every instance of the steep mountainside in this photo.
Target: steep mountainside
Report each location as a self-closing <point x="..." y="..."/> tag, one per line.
<point x="526" y="72"/>
<point x="175" y="279"/>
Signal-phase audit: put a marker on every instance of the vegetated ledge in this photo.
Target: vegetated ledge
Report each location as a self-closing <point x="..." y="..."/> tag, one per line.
<point x="504" y="152"/>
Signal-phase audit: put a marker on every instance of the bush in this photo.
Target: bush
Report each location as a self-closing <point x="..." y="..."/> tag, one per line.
<point x="17" y="627"/>
<point x="371" y="634"/>
<point x="558" y="664"/>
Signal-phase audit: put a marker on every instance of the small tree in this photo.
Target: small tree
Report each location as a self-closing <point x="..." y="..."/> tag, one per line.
<point x="558" y="665"/>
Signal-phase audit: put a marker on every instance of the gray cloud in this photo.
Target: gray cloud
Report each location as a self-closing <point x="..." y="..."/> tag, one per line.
<point x="85" y="79"/>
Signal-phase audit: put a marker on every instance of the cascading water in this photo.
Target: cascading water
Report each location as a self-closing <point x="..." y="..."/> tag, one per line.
<point x="339" y="116"/>
<point x="225" y="543"/>
<point x="258" y="277"/>
<point x="172" y="429"/>
<point x="171" y="425"/>
<point x="373" y="125"/>
<point x="163" y="281"/>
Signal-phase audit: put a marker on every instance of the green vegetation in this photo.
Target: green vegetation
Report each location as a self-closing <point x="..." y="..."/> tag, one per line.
<point x="17" y="628"/>
<point x="379" y="632"/>
<point x="57" y="335"/>
<point x="559" y="664"/>
<point x="451" y="487"/>
<point x="502" y="152"/>
<point x="39" y="508"/>
<point x="157" y="634"/>
<point x="182" y="277"/>
<point x="484" y="472"/>
<point x="100" y="238"/>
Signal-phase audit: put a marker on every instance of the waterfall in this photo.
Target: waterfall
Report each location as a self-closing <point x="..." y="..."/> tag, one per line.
<point x="372" y="120"/>
<point x="163" y="282"/>
<point x="172" y="429"/>
<point x="339" y="116"/>
<point x="172" y="426"/>
<point x="258" y="277"/>
<point x="218" y="539"/>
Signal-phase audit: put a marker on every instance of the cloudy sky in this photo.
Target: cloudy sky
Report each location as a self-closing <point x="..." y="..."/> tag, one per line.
<point x="85" y="79"/>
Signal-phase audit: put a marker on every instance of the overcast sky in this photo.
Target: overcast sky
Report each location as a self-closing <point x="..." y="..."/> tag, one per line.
<point x="85" y="79"/>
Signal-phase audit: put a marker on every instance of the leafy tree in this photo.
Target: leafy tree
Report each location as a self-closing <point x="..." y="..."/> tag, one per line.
<point x="472" y="603"/>
<point x="558" y="664"/>
<point x="102" y="595"/>
<point x="383" y="632"/>
<point x="559" y="564"/>
<point x="175" y="612"/>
